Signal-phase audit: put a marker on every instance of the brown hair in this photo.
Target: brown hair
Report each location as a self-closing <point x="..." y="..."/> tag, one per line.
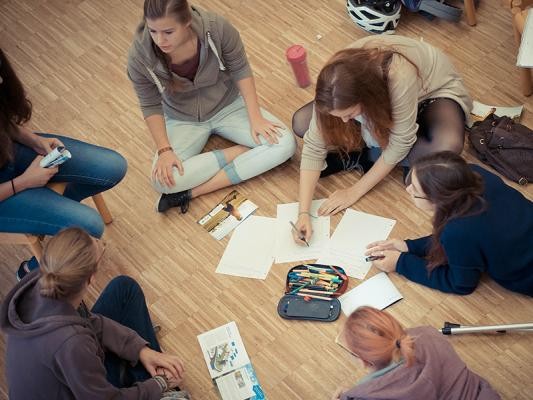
<point x="181" y="11"/>
<point x="455" y="190"/>
<point x="378" y="338"/>
<point x="69" y="260"/>
<point x="15" y="108"/>
<point x="351" y="77"/>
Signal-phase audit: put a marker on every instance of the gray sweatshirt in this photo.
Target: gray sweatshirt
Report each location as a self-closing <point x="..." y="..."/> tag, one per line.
<point x="438" y="373"/>
<point x="54" y="353"/>
<point x="223" y="62"/>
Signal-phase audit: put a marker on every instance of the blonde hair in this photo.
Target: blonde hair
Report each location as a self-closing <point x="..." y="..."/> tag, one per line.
<point x="69" y="260"/>
<point x="378" y="338"/>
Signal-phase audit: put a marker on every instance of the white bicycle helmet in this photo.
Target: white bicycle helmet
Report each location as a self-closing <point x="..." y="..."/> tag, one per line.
<point x="375" y="16"/>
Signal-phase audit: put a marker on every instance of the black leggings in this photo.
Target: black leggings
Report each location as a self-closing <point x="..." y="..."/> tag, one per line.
<point x="441" y="124"/>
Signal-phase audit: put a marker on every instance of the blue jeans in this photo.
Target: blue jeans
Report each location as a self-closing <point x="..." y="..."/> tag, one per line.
<point x="41" y="211"/>
<point x="188" y="139"/>
<point x="123" y="301"/>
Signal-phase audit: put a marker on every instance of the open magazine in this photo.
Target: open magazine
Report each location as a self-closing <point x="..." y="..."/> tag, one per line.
<point x="230" y="212"/>
<point x="229" y="365"/>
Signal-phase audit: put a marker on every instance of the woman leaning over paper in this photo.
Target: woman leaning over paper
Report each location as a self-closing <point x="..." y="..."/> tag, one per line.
<point x="387" y="100"/>
<point x="480" y="225"/>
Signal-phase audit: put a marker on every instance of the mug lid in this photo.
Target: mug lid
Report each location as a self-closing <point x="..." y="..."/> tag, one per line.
<point x="296" y="53"/>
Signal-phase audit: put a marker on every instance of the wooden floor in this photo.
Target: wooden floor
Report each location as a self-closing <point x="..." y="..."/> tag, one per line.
<point x="71" y="55"/>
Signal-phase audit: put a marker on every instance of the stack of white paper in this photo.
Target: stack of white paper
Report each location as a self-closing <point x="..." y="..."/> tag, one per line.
<point x="347" y="245"/>
<point x="378" y="292"/>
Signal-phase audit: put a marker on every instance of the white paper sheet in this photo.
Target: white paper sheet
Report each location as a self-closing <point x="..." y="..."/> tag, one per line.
<point x="525" y="52"/>
<point x="347" y="245"/>
<point x="249" y="252"/>
<point x="378" y="292"/>
<point x="286" y="249"/>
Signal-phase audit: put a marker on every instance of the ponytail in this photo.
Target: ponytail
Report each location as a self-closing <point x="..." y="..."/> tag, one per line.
<point x="378" y="338"/>
<point x="69" y="260"/>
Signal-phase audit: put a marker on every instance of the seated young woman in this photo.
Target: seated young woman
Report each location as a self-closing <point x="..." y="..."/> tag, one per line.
<point x="399" y="98"/>
<point x="411" y="364"/>
<point x="26" y="204"/>
<point x="191" y="75"/>
<point x="480" y="225"/>
<point x="55" y="352"/>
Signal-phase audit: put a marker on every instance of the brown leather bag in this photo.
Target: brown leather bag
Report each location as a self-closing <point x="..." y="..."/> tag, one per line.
<point x="506" y="146"/>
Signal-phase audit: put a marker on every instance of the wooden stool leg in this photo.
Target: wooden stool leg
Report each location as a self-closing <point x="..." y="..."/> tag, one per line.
<point x="470" y="11"/>
<point x="102" y="208"/>
<point x="36" y="247"/>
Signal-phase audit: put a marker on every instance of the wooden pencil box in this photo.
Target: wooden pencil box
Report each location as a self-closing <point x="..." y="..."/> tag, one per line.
<point x="311" y="292"/>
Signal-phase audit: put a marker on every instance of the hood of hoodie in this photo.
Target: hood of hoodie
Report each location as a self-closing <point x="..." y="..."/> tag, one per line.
<point x="143" y="44"/>
<point x="26" y="313"/>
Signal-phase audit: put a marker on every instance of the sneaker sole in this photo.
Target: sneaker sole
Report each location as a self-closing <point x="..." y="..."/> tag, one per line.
<point x="156" y="205"/>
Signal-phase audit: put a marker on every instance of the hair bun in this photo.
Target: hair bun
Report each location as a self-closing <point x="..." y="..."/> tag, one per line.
<point x="49" y="284"/>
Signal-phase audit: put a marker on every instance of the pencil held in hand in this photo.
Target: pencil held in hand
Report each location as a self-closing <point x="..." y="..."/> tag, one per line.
<point x="301" y="235"/>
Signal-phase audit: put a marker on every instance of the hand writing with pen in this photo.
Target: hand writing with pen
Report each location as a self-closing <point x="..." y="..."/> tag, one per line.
<point x="384" y="254"/>
<point x="302" y="230"/>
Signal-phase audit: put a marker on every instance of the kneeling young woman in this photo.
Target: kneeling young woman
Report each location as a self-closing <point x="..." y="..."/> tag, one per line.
<point x="410" y="364"/>
<point x="396" y="97"/>
<point x="480" y="225"/>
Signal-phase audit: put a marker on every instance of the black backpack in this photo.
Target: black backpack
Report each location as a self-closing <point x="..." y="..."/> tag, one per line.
<point x="506" y="146"/>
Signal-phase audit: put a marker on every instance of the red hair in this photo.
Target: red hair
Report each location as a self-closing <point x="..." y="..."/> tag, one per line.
<point x="355" y="76"/>
<point x="378" y="338"/>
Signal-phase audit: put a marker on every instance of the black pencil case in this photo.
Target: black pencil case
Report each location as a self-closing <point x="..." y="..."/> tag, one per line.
<point x="304" y="304"/>
<point x="292" y="306"/>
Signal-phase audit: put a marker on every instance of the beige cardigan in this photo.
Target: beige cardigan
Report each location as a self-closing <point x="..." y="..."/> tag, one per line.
<point x="438" y="78"/>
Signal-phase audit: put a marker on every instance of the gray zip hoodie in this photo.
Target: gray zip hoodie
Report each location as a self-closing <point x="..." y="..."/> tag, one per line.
<point x="54" y="353"/>
<point x="223" y="62"/>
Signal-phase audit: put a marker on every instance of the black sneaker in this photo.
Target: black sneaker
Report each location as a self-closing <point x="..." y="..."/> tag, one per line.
<point x="180" y="199"/>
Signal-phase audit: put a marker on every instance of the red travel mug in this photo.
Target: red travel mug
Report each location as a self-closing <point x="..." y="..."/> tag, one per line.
<point x="297" y="57"/>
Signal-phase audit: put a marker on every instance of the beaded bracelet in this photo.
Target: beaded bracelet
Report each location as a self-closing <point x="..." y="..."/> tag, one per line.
<point x="163" y="150"/>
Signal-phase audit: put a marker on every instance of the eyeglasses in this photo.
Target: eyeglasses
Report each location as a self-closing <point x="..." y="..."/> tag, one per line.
<point x="409" y="182"/>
